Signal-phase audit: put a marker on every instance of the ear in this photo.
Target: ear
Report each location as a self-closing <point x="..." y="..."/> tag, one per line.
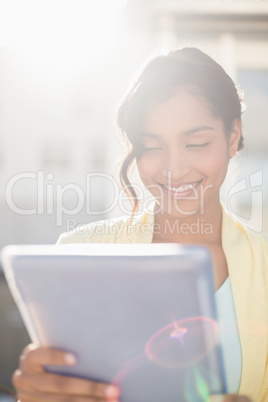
<point x="234" y="137"/>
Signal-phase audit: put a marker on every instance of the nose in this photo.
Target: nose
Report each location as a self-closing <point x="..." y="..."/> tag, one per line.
<point x="176" y="164"/>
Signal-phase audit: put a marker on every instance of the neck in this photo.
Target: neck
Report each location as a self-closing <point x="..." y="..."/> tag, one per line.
<point x="200" y="228"/>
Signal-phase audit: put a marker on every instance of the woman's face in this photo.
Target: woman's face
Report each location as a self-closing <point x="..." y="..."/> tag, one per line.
<point x="185" y="154"/>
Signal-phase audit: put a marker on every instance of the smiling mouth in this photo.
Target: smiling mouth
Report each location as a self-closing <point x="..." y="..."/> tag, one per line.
<point x="182" y="190"/>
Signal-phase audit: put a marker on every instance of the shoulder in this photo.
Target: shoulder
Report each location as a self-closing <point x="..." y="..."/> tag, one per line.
<point x="117" y="230"/>
<point x="235" y="231"/>
<point x="104" y="231"/>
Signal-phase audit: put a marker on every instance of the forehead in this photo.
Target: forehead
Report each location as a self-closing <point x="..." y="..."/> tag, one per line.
<point x="181" y="112"/>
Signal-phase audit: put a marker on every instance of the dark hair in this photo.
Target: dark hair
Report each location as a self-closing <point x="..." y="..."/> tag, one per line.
<point x="162" y="77"/>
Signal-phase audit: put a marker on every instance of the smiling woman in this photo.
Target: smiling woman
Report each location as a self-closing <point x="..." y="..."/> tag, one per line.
<point x="182" y="122"/>
<point x="187" y="158"/>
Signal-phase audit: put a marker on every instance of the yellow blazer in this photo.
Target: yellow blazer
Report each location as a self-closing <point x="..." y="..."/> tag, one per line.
<point x="247" y="258"/>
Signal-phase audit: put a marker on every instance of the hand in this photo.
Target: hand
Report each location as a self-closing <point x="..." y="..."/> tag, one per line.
<point x="229" y="398"/>
<point x="34" y="384"/>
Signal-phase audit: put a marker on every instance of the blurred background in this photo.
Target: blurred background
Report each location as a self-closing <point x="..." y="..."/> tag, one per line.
<point x="64" y="65"/>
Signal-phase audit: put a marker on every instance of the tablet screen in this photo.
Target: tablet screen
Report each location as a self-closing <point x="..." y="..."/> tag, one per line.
<point x="140" y="316"/>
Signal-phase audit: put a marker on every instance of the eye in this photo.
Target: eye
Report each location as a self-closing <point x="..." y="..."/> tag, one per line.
<point x="152" y="149"/>
<point x="204" y="144"/>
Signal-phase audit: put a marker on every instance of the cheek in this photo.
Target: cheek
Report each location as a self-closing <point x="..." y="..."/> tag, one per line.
<point x="147" y="168"/>
<point x="220" y="158"/>
<point x="213" y="164"/>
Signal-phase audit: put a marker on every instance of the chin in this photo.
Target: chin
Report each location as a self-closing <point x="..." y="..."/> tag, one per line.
<point x="180" y="209"/>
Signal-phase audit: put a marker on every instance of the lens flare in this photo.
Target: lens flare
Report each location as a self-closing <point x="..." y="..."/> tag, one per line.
<point x="182" y="343"/>
<point x="177" y="345"/>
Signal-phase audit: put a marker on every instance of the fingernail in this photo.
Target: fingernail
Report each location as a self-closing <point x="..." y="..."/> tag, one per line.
<point x="70" y="359"/>
<point x="216" y="398"/>
<point x="111" y="391"/>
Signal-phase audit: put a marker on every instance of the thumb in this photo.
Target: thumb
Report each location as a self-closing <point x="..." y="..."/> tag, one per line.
<point x="229" y="398"/>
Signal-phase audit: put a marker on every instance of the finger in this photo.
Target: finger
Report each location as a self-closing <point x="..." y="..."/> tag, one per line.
<point x="37" y="397"/>
<point x="33" y="358"/>
<point x="229" y="398"/>
<point x="56" y="384"/>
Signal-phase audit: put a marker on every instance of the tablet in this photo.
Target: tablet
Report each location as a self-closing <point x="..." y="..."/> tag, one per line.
<point x="141" y="316"/>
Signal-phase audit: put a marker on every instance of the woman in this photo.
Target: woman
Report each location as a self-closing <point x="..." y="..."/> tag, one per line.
<point x="182" y="121"/>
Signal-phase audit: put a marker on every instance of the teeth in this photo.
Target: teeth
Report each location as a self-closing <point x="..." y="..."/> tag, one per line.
<point x="181" y="188"/>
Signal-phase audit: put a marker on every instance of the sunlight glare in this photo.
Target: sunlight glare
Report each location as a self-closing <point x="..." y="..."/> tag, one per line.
<point x="63" y="35"/>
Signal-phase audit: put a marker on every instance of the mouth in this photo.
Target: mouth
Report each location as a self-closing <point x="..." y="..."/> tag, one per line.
<point x="182" y="190"/>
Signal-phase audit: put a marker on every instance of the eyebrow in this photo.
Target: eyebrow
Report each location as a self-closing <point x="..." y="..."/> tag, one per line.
<point x="150" y="135"/>
<point x="186" y="132"/>
<point x="197" y="130"/>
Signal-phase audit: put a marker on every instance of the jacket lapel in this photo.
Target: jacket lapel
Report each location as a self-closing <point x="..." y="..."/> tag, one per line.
<point x="245" y="271"/>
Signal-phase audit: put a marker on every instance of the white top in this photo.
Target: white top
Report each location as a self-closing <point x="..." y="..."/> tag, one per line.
<point x="229" y="337"/>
